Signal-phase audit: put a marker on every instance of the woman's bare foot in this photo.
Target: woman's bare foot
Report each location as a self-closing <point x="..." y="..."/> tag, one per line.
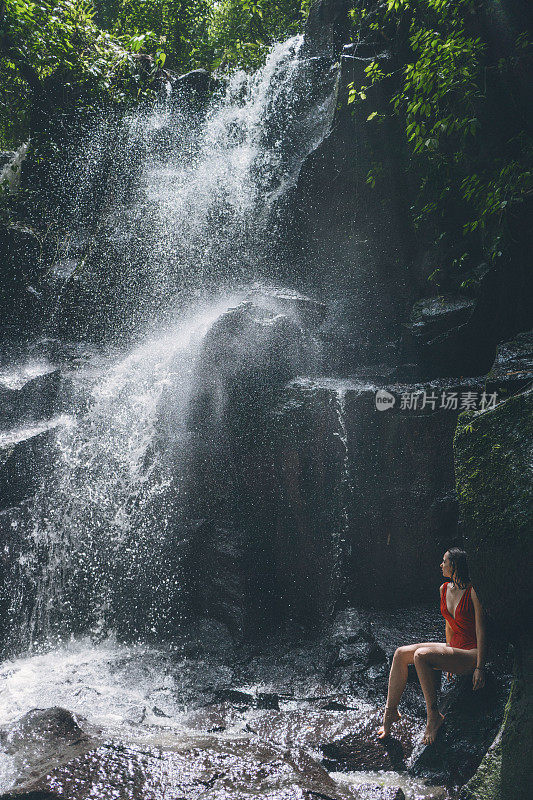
<point x="433" y="724"/>
<point x="390" y="716"/>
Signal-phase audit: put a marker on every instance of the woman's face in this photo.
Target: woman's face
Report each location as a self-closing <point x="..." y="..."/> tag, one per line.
<point x="446" y="566"/>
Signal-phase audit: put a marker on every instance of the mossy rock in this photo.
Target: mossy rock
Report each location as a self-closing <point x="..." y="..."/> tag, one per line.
<point x="505" y="772"/>
<point x="493" y="457"/>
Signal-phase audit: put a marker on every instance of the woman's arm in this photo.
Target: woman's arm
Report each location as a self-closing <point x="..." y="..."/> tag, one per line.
<point x="448" y="634"/>
<point x="478" y="679"/>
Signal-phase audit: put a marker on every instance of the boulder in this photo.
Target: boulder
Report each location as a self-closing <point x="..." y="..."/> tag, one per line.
<point x="472" y="721"/>
<point x="36" y="399"/>
<point x="212" y="767"/>
<point x="307" y="311"/>
<point x="26" y="456"/>
<point x="356" y="659"/>
<point x="493" y="458"/>
<point x="362" y="750"/>
<point x="248" y="354"/>
<point x="513" y="366"/>
<point x="42" y="740"/>
<point x="196" y="84"/>
<point x="244" y="361"/>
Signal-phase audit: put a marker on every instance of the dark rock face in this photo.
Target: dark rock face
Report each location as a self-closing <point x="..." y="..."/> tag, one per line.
<point x="23" y="461"/>
<point x="20" y="302"/>
<point x="513" y="365"/>
<point x="493" y="466"/>
<point x="37" y="399"/>
<point x="354" y="249"/>
<point x="327" y="28"/>
<point x="367" y="481"/>
<point x="493" y="454"/>
<point x="245" y="360"/>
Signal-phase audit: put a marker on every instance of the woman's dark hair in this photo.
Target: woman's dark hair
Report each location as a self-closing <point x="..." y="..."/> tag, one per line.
<point x="459" y="566"/>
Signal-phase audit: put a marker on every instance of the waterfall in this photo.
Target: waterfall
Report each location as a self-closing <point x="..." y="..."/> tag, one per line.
<point x="107" y="528"/>
<point x="192" y="197"/>
<point x="345" y="483"/>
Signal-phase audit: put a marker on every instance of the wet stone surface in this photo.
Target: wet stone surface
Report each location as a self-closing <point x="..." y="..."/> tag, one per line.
<point x="212" y="769"/>
<point x="283" y="720"/>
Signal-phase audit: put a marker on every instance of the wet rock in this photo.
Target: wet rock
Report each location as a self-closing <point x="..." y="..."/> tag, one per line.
<point x="197" y="82"/>
<point x="441" y="333"/>
<point x="306" y="728"/>
<point x="42" y="728"/>
<point x="327" y="28"/>
<point x="214" y="718"/>
<point x="244" y="361"/>
<point x="513" y="366"/>
<point x="37" y="795"/>
<point x="43" y="739"/>
<point x="381" y="793"/>
<point x="264" y="700"/>
<point x="435" y="315"/>
<point x="206" y="638"/>
<point x="224" y="587"/>
<point x="356" y="659"/>
<point x="236" y="769"/>
<point x="247" y="355"/>
<point x="363" y="482"/>
<point x="16" y="584"/>
<point x="25" y="457"/>
<point x="505" y="772"/>
<point x="371" y="792"/>
<point x="472" y="721"/>
<point x="361" y="749"/>
<point x="307" y="311"/>
<point x="493" y="467"/>
<point x="36" y="399"/>
<point x="20" y="303"/>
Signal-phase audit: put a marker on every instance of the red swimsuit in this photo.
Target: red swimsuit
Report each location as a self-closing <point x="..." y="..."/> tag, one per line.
<point x="464" y="623"/>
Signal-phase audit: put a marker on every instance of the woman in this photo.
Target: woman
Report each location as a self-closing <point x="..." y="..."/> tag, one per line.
<point x="464" y="651"/>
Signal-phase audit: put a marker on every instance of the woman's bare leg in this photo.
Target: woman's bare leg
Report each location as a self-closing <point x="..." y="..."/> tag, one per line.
<point x="397" y="682"/>
<point x="427" y="659"/>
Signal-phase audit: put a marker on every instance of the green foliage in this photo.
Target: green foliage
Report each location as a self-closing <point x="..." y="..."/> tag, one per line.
<point x="240" y="32"/>
<point x="472" y="157"/>
<point x="55" y="56"/>
<point x="75" y="53"/>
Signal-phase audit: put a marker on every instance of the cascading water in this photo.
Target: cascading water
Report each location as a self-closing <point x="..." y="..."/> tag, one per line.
<point x="103" y="523"/>
<point x="194" y="196"/>
<point x="198" y="212"/>
<point x="345" y="483"/>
